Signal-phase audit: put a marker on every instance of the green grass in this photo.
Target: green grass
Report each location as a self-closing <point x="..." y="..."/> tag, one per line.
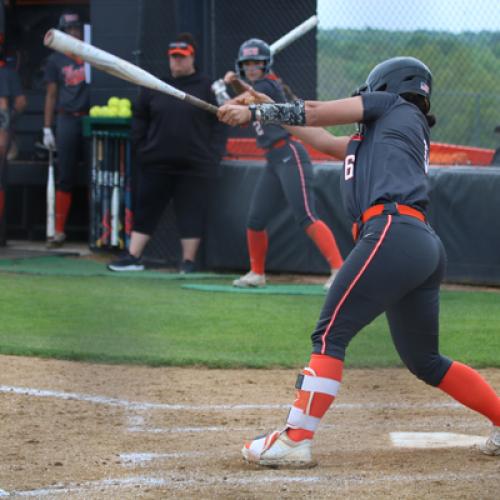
<point x="159" y="323"/>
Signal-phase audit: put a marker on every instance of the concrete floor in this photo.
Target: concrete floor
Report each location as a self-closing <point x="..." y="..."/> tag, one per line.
<point x="23" y="248"/>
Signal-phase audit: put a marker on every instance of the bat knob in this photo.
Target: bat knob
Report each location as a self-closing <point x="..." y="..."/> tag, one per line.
<point x="47" y="39"/>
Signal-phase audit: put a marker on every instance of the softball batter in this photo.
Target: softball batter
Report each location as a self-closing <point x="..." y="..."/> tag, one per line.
<point x="398" y="261"/>
<point x="287" y="177"/>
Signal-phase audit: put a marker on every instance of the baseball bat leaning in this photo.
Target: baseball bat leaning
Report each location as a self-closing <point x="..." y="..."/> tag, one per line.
<point x="104" y="61"/>
<point x="293" y="35"/>
<point x="51" y="198"/>
<point x="115" y="196"/>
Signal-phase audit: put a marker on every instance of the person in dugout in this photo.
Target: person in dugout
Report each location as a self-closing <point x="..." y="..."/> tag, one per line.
<point x="398" y="261"/>
<point x="12" y="103"/>
<point x="179" y="148"/>
<point x="67" y="98"/>
<point x="286" y="179"/>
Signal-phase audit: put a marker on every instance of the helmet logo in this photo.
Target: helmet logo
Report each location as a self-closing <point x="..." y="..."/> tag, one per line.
<point x="71" y="18"/>
<point x="250" y="51"/>
<point x="424" y="87"/>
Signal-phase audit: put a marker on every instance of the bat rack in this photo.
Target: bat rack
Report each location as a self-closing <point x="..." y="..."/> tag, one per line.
<point x="111" y="214"/>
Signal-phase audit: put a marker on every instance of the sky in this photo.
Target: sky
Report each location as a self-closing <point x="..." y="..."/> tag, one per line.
<point x="441" y="15"/>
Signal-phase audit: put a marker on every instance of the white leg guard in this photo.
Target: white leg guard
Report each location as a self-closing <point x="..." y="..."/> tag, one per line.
<point x="308" y="384"/>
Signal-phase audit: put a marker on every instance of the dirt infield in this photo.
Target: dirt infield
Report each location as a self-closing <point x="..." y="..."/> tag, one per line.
<point x="76" y="430"/>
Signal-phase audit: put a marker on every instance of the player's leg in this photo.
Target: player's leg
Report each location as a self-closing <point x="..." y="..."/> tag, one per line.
<point x="68" y="141"/>
<point x="414" y="324"/>
<point x="296" y="175"/>
<point x="353" y="301"/>
<point x="153" y="193"/>
<point x="191" y="196"/>
<point x="267" y="199"/>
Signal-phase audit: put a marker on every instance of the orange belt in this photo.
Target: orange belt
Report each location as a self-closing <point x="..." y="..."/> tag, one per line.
<point x="380" y="209"/>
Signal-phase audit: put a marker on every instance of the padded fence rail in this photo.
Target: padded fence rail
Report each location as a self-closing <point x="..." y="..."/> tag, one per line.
<point x="465" y="207"/>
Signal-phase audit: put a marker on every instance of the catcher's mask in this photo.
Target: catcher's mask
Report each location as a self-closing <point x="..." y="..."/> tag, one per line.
<point x="254" y="50"/>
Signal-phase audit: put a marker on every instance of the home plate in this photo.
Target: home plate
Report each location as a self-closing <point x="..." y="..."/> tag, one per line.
<point x="434" y="440"/>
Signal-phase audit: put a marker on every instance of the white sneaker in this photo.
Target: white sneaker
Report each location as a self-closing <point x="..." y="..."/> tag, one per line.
<point x="492" y="445"/>
<point x="329" y="281"/>
<point x="278" y="450"/>
<point x="57" y="241"/>
<point x="250" y="280"/>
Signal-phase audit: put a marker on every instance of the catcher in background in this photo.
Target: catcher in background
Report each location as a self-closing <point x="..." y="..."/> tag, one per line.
<point x="67" y="95"/>
<point x="287" y="177"/>
<point x="12" y="102"/>
<point x="398" y="262"/>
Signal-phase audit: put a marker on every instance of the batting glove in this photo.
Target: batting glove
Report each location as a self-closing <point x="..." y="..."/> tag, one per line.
<point x="49" y="141"/>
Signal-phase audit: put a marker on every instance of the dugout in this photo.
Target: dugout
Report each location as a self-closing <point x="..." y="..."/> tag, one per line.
<point x="138" y="31"/>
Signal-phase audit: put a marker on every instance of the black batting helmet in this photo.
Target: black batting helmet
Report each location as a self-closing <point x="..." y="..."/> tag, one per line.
<point x="400" y="75"/>
<point x="69" y="20"/>
<point x="254" y="50"/>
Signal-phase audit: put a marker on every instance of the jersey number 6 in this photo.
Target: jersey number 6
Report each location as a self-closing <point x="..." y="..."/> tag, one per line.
<point x="349" y="167"/>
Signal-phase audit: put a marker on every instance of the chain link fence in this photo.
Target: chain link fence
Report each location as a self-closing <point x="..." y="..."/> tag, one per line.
<point x="458" y="40"/>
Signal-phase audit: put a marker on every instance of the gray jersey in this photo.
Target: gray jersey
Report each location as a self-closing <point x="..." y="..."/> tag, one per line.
<point x="390" y="162"/>
<point x="73" y="92"/>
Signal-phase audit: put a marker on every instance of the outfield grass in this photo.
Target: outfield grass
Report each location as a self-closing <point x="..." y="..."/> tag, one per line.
<point x="159" y="323"/>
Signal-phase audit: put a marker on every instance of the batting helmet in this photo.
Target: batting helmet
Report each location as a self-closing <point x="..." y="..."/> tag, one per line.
<point x="254" y="50"/>
<point x="400" y="75"/>
<point x="69" y="20"/>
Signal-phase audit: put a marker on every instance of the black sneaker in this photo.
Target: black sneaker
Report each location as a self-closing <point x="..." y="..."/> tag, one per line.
<point x="127" y="263"/>
<point x="187" y="266"/>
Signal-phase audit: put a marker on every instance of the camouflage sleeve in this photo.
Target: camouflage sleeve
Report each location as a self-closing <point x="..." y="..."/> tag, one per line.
<point x="292" y="113"/>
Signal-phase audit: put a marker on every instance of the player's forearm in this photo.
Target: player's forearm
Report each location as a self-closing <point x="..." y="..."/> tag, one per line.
<point x="321" y="139"/>
<point x="50" y="105"/>
<point x="312" y="113"/>
<point x="20" y="103"/>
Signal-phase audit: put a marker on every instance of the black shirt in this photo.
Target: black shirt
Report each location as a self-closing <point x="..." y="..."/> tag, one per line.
<point x="177" y="136"/>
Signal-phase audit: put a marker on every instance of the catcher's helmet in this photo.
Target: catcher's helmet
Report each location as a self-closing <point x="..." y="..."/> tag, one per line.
<point x="254" y="50"/>
<point x="69" y="20"/>
<point x="400" y="75"/>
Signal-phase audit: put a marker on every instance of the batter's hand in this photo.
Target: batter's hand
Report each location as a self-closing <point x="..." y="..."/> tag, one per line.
<point x="229" y="77"/>
<point x="49" y="141"/>
<point x="251" y="96"/>
<point x="233" y="114"/>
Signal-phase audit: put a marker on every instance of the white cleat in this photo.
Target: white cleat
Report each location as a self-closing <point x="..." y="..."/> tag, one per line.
<point x="277" y="450"/>
<point x="250" y="280"/>
<point x="330" y="280"/>
<point x="492" y="445"/>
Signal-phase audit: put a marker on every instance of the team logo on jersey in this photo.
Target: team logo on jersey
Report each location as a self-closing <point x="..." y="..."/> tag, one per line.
<point x="424" y="87"/>
<point x="250" y="51"/>
<point x="73" y="76"/>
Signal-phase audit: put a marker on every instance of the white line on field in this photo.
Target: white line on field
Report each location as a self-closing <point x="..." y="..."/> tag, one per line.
<point x="250" y="478"/>
<point x="180" y="430"/>
<point x="131" y="459"/>
<point x="176" y="482"/>
<point x="135" y="405"/>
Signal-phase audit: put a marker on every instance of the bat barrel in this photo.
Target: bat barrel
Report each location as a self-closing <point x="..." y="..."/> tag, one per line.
<point x="294" y="34"/>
